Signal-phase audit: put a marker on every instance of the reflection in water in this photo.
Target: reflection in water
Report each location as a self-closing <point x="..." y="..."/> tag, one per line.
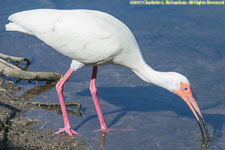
<point x="102" y="140"/>
<point x="204" y="146"/>
<point x="28" y="62"/>
<point x="38" y="90"/>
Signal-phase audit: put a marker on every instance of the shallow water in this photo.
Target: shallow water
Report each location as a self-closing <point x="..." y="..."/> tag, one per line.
<point x="185" y="39"/>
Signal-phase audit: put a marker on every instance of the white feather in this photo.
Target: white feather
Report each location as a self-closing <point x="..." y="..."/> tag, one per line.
<point x="90" y="37"/>
<point x="15" y="27"/>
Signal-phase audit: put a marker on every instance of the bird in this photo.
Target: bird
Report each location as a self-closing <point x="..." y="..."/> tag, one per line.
<point x="95" y="38"/>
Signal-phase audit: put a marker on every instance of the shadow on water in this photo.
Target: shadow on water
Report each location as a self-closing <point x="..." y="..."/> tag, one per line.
<point x="149" y="99"/>
<point x="217" y="121"/>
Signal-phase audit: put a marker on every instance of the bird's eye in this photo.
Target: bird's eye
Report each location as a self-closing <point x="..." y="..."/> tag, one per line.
<point x="185" y="88"/>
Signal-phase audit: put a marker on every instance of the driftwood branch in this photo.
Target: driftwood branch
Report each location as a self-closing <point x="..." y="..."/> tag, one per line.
<point x="25" y="75"/>
<point x="13" y="71"/>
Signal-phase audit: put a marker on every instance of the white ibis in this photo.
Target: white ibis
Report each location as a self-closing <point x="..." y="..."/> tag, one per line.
<point x="96" y="38"/>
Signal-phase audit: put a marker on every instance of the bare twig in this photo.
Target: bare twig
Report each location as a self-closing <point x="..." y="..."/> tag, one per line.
<point x="17" y="59"/>
<point x="5" y="91"/>
<point x="5" y="63"/>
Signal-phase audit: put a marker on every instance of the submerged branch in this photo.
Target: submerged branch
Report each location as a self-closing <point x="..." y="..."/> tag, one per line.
<point x="54" y="104"/>
<point x="57" y="106"/>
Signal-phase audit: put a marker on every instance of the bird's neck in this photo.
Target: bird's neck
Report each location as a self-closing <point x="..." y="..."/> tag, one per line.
<point x="146" y="73"/>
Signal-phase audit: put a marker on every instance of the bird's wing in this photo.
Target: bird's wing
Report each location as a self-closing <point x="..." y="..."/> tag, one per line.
<point x="90" y="31"/>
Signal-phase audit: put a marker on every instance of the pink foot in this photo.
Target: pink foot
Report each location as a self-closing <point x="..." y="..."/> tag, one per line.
<point x="69" y="131"/>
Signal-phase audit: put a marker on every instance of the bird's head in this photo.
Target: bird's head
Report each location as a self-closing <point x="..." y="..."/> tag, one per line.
<point x="179" y="85"/>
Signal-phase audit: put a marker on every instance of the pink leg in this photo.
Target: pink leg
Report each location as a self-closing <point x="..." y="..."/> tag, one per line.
<point x="59" y="88"/>
<point x="93" y="90"/>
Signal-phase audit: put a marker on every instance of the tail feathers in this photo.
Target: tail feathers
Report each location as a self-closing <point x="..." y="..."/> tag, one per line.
<point x="15" y="27"/>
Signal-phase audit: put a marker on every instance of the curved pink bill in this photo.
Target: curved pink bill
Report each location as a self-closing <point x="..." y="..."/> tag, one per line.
<point x="194" y="108"/>
<point x="186" y="94"/>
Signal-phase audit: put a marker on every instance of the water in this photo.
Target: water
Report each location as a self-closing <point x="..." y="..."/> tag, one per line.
<point x="185" y="39"/>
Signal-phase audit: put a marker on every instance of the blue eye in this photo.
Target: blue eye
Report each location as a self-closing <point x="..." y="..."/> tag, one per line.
<point x="185" y="89"/>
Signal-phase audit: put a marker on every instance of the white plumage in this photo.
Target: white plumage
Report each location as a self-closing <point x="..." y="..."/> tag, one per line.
<point x="95" y="38"/>
<point x="89" y="37"/>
